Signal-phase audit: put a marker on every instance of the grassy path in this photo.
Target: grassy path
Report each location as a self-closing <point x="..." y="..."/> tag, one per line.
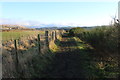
<point x="71" y="61"/>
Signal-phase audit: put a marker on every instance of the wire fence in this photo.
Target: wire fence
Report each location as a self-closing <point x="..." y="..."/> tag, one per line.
<point x="17" y="52"/>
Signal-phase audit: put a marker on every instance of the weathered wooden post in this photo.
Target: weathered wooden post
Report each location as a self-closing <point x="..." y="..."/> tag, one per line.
<point x="50" y="34"/>
<point x="46" y="38"/>
<point x="53" y="35"/>
<point x="39" y="47"/>
<point x="15" y="44"/>
<point x="16" y="57"/>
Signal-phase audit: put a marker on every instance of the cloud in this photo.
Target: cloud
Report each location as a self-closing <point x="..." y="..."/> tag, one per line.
<point x="29" y="23"/>
<point x="13" y="21"/>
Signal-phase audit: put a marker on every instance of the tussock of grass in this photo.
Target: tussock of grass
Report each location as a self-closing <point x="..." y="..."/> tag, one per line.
<point x="54" y="44"/>
<point x="53" y="47"/>
<point x="81" y="44"/>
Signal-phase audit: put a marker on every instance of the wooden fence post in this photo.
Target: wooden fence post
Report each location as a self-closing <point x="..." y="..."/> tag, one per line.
<point x="50" y="34"/>
<point x="39" y="47"/>
<point x="16" y="57"/>
<point x="15" y="44"/>
<point x="46" y="38"/>
<point x="53" y="35"/>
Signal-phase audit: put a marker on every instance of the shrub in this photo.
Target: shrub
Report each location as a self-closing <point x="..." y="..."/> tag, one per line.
<point x="75" y="31"/>
<point x="104" y="39"/>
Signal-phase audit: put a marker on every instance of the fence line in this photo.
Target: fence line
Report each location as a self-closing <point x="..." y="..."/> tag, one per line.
<point x="48" y="37"/>
<point x="17" y="53"/>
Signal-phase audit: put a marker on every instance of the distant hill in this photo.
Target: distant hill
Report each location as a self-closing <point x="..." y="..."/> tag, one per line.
<point x="87" y="27"/>
<point x="54" y="28"/>
<point x="8" y="27"/>
<point x="11" y="26"/>
<point x="60" y="28"/>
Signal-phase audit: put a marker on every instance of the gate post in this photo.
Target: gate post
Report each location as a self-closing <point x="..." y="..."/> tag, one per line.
<point x="47" y="38"/>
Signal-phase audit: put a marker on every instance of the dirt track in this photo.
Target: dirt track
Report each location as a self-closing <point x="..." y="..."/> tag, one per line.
<point x="68" y="62"/>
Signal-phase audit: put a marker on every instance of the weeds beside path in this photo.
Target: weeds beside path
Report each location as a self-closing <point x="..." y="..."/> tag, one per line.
<point x="73" y="59"/>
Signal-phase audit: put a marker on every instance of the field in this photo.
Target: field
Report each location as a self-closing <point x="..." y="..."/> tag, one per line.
<point x="16" y="34"/>
<point x="78" y="53"/>
<point x="76" y="39"/>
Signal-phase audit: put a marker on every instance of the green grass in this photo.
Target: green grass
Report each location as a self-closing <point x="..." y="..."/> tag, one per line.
<point x="104" y="40"/>
<point x="17" y="34"/>
<point x="109" y="70"/>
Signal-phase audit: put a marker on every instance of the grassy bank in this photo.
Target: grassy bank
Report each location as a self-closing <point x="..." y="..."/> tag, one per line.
<point x="104" y="40"/>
